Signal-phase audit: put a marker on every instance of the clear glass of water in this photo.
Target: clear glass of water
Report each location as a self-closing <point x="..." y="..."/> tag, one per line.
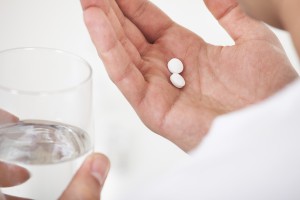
<point x="50" y="91"/>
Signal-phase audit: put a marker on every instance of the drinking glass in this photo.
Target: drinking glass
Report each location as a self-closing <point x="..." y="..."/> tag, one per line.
<point x="50" y="91"/>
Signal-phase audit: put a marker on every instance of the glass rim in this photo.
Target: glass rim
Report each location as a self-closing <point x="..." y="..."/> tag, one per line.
<point x="55" y="50"/>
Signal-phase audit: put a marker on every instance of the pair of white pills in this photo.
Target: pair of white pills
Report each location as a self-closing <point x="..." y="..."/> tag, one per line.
<point x="175" y="66"/>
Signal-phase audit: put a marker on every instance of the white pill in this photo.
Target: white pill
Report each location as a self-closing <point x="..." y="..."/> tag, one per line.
<point x="175" y="66"/>
<point x="177" y="80"/>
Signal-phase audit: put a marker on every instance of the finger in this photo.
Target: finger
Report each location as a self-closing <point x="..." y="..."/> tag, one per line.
<point x="147" y="17"/>
<point x="12" y="175"/>
<point x="132" y="42"/>
<point x="122" y="71"/>
<point x="238" y="25"/>
<point x="89" y="179"/>
<point x="6" y="117"/>
<point x="130" y="29"/>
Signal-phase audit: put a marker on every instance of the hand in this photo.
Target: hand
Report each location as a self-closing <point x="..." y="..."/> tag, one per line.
<point x="267" y="11"/>
<point x="281" y="14"/>
<point x="89" y="179"/>
<point x="86" y="184"/>
<point x="135" y="40"/>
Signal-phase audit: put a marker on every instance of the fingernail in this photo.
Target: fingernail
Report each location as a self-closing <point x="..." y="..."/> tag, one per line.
<point x="100" y="168"/>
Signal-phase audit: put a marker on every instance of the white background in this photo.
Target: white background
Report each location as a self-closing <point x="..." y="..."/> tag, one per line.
<point x="137" y="154"/>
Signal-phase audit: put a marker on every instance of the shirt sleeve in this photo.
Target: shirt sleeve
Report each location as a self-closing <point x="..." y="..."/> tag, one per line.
<point x="250" y="154"/>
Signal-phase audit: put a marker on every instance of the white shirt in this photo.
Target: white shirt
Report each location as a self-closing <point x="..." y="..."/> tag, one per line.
<point x="251" y="154"/>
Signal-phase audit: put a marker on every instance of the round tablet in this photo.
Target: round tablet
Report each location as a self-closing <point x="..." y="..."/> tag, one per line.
<point x="177" y="80"/>
<point x="175" y="66"/>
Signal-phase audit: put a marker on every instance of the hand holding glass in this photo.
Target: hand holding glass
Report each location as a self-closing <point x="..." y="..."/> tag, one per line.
<point x="51" y="92"/>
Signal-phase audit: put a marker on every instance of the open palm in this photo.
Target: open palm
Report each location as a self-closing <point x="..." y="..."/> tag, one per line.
<point x="135" y="40"/>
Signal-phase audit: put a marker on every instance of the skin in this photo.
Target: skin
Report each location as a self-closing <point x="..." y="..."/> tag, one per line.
<point x="262" y="10"/>
<point x="135" y="52"/>
<point x="86" y="184"/>
<point x="14" y="175"/>
<point x="278" y="13"/>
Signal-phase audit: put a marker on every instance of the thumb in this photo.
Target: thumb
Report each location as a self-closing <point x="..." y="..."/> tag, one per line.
<point x="235" y="21"/>
<point x="89" y="179"/>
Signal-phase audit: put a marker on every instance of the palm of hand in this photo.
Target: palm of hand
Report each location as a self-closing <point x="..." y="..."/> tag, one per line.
<point x="218" y="79"/>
